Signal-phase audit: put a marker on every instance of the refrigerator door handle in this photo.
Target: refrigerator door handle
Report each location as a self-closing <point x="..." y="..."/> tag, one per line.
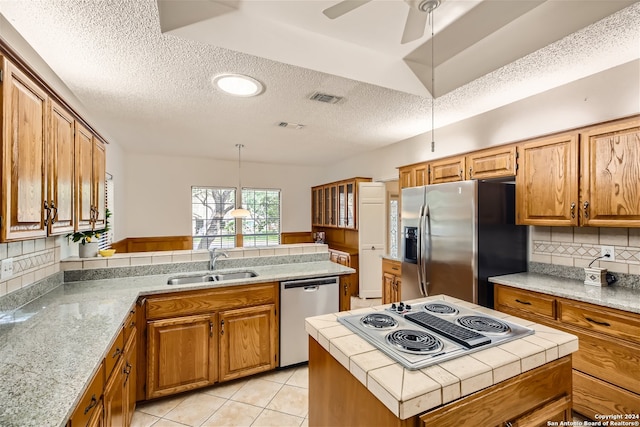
<point x="419" y="250"/>
<point x="426" y="251"/>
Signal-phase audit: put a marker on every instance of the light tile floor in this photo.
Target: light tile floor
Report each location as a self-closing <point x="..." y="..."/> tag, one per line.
<point x="279" y="398"/>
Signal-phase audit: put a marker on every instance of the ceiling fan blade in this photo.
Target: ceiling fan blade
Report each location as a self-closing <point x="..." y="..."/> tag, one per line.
<point x="414" y="27"/>
<point x="343" y="7"/>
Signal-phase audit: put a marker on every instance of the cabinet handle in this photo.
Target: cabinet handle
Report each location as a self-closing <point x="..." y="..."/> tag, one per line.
<point x="395" y="268"/>
<point x="92" y="404"/>
<point x="596" y="322"/>
<point x="116" y="353"/>
<point x="221" y="327"/>
<point x="573" y="209"/>
<point x="523" y="302"/>
<point x="54" y="213"/>
<point x="586" y="209"/>
<point x="470" y="172"/>
<point x="127" y="371"/>
<point x="461" y="177"/>
<point x="47" y="212"/>
<point x="508" y="424"/>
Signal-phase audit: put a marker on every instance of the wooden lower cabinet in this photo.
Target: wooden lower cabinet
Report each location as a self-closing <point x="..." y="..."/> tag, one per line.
<point x="97" y="419"/>
<point x="90" y="402"/>
<point x="181" y="354"/>
<point x="120" y="391"/>
<point x="529" y="399"/>
<point x="198" y="338"/>
<point x="349" y="282"/>
<point x="606" y="378"/>
<point x="248" y="341"/>
<point x="391" y="281"/>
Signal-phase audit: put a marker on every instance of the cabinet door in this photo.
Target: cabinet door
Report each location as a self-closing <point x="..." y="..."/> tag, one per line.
<point x="351" y="204"/>
<point x="346" y="290"/>
<point x="181" y="354"/>
<point x="547" y="182"/>
<point x="421" y="175"/>
<point x="342" y="204"/>
<point x="248" y="341"/>
<point x="24" y="113"/>
<point x="495" y="163"/>
<point x="447" y="170"/>
<point x="326" y="218"/>
<point x="84" y="177"/>
<point x="114" y="409"/>
<point x="406" y="178"/>
<point x="387" y="288"/>
<point x="129" y="381"/>
<point x="60" y="171"/>
<point x="610" y="165"/>
<point x="317" y="198"/>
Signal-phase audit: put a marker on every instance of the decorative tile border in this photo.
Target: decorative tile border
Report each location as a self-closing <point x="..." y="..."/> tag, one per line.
<point x="586" y="251"/>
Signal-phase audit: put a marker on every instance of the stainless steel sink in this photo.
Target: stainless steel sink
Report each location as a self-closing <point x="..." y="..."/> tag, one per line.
<point x="235" y="275"/>
<point x="218" y="277"/>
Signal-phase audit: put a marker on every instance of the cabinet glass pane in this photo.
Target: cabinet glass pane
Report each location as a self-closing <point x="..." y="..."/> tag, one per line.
<point x="334" y="205"/>
<point x="342" y="206"/>
<point x="327" y="207"/>
<point x="351" y="219"/>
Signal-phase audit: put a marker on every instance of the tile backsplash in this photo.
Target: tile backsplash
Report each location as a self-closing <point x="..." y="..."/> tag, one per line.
<point x="33" y="260"/>
<point x="578" y="246"/>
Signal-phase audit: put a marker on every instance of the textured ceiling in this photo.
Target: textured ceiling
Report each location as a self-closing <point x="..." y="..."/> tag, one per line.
<point x="151" y="91"/>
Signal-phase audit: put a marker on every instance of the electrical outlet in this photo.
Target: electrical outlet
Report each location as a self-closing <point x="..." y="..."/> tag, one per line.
<point x="604" y="250"/>
<point x="6" y="268"/>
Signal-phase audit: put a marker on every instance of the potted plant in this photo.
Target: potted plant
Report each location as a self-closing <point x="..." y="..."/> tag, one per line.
<point x="89" y="239"/>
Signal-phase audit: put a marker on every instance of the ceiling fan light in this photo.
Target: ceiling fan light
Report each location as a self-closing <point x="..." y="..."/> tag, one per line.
<point x="238" y="85"/>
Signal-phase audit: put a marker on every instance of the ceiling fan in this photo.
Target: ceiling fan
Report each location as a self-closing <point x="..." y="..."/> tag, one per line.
<point x="416" y="19"/>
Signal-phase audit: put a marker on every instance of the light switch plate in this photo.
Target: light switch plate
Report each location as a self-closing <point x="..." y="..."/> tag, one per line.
<point x="6" y="268"/>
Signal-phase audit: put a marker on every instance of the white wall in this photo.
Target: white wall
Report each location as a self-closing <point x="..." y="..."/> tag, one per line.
<point x="604" y="96"/>
<point x="157" y="200"/>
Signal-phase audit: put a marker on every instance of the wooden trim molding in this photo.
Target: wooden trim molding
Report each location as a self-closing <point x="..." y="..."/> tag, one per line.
<point x="152" y="244"/>
<point x="293" y="237"/>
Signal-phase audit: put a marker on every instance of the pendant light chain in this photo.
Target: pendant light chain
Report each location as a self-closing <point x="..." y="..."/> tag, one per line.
<point x="433" y="85"/>
<point x="240" y="146"/>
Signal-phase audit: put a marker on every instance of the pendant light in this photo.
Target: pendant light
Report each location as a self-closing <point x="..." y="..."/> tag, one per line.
<point x="239" y="211"/>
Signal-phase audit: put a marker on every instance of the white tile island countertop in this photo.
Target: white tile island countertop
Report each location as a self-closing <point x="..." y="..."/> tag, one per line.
<point x="407" y="393"/>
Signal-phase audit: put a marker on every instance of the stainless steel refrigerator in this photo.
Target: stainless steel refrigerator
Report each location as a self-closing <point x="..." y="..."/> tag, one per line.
<point x="456" y="235"/>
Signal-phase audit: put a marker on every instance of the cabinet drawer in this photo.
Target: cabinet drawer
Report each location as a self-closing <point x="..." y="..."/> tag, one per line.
<point x="526" y="301"/>
<point x="90" y="401"/>
<point x="114" y="354"/>
<point x="600" y="319"/>
<point x="210" y="300"/>
<point x="592" y="396"/>
<point x="391" y="267"/>
<point x="613" y="360"/>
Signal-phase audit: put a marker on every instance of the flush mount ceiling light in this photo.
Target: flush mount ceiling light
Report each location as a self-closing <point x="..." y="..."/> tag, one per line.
<point x="238" y="85"/>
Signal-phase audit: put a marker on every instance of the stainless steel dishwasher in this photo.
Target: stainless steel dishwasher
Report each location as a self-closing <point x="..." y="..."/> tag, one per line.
<point x="300" y="299"/>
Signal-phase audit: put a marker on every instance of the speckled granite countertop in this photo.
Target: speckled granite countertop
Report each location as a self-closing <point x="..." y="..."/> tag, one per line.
<point x="411" y="392"/>
<point x="619" y="297"/>
<point x="51" y="347"/>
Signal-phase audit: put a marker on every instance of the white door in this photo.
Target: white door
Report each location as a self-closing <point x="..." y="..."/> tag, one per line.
<point x="372" y="237"/>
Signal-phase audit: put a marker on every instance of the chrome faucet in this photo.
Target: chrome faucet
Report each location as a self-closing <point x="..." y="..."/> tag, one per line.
<point x="214" y="255"/>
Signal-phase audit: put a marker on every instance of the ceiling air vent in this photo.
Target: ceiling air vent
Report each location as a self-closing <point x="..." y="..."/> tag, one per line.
<point x="323" y="97"/>
<point x="290" y="125"/>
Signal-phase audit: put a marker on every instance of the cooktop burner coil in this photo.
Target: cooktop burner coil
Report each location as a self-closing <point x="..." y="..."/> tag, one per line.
<point x="379" y="321"/>
<point x="483" y="324"/>
<point x="440" y="308"/>
<point x="413" y="341"/>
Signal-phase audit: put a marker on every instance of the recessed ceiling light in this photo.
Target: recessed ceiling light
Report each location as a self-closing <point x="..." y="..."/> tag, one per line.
<point x="238" y="85"/>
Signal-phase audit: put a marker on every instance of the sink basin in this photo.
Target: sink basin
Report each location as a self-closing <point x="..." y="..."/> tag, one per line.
<point x="235" y="275"/>
<point x="182" y="280"/>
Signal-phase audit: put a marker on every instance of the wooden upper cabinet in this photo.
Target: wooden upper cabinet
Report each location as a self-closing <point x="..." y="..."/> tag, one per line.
<point x="60" y="182"/>
<point x="414" y="175"/>
<point x="317" y="199"/>
<point x="24" y="133"/>
<point x="610" y="175"/>
<point x="547" y="182"/>
<point x="493" y="163"/>
<point x="335" y="204"/>
<point x="90" y="179"/>
<point x="447" y="170"/>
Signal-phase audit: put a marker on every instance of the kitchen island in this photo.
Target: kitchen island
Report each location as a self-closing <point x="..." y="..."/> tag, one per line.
<point x="352" y="383"/>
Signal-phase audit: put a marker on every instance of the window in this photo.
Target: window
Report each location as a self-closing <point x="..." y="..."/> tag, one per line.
<point x="262" y="228"/>
<point x="209" y="227"/>
<point x="106" y="239"/>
